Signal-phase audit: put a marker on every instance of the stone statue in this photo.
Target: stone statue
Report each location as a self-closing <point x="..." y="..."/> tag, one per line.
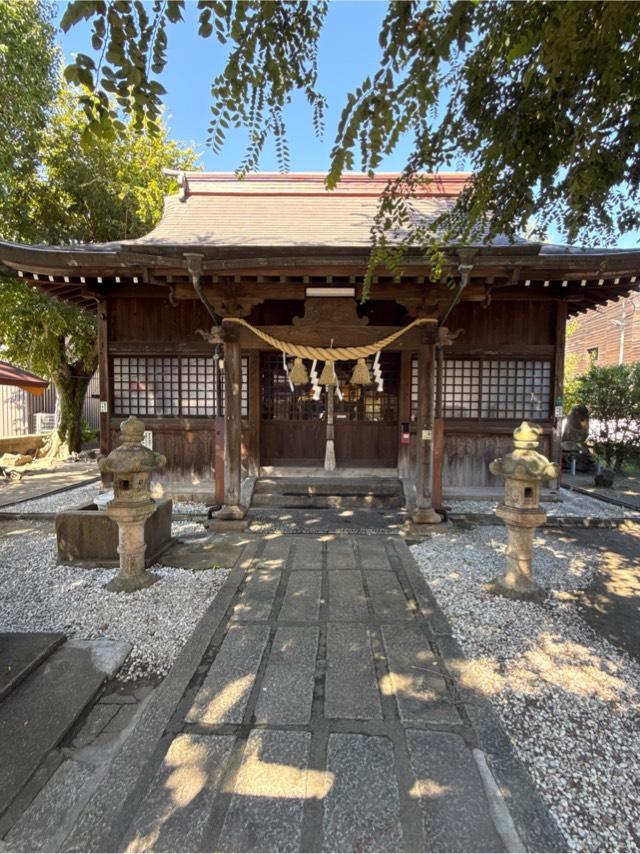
<point x="574" y="440"/>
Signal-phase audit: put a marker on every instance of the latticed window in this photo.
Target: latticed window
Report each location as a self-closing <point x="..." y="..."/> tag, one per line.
<point x="492" y="388"/>
<point x="191" y="386"/>
<point x="414" y="388"/>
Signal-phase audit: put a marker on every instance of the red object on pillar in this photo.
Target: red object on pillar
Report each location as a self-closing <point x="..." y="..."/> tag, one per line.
<point x="219" y="458"/>
<point x="405" y="435"/>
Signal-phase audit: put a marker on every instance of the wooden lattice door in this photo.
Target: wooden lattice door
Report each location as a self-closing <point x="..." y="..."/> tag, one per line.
<point x="293" y="427"/>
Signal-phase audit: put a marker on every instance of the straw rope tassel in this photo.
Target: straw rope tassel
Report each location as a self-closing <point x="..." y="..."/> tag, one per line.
<point x="299" y="374"/>
<point x="360" y="375"/>
<point x="328" y="375"/>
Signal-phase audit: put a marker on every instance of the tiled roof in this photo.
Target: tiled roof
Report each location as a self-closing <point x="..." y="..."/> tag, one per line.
<point x="216" y="209"/>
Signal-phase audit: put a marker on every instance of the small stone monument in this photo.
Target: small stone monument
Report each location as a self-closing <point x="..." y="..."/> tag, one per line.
<point x="524" y="469"/>
<point x="576" y="454"/>
<point x="131" y="464"/>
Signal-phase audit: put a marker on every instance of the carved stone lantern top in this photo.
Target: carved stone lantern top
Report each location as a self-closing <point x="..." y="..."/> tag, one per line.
<point x="525" y="462"/>
<point x="131" y="456"/>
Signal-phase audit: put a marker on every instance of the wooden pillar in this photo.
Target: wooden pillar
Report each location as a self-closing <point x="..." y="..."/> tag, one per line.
<point x="105" y="382"/>
<point x="437" y="442"/>
<point x="404" y="410"/>
<point x="232" y="508"/>
<point x="424" y="512"/>
<point x="558" y="386"/>
<point x="255" y="402"/>
<point x="219" y="458"/>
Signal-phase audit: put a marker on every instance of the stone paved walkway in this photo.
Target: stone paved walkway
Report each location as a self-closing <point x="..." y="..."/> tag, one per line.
<point x="321" y="717"/>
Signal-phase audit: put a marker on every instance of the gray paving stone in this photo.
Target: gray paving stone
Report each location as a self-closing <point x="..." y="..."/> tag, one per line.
<point x="416" y="681"/>
<point x="351" y="688"/>
<point x="97" y="719"/>
<point x="362" y="806"/>
<point x="117" y="699"/>
<point x="256" y="600"/>
<point x="225" y="691"/>
<point x="275" y="554"/>
<point x="39" y="827"/>
<point x="347" y="599"/>
<point x="387" y="596"/>
<point x="302" y="598"/>
<point x="373" y="554"/>
<point x="448" y="786"/>
<point x="102" y="822"/>
<point x="175" y="810"/>
<point x="40" y="711"/>
<point x="266" y="809"/>
<point x="340" y="555"/>
<point x="21" y="653"/>
<point x="308" y="553"/>
<point x="123" y="719"/>
<point x="286" y="692"/>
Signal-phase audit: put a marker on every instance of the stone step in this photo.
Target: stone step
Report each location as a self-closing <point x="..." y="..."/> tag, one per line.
<point x="325" y="502"/>
<point x="40" y="711"/>
<point x="304" y="486"/>
<point x="21" y="653"/>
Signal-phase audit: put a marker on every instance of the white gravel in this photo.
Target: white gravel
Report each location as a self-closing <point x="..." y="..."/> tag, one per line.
<point x="37" y="595"/>
<point x="189" y="508"/>
<point x="568" y="699"/>
<point x="84" y="495"/>
<point x="55" y="503"/>
<point x="571" y="504"/>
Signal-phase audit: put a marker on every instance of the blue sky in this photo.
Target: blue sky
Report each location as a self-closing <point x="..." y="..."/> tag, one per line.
<point x="349" y="51"/>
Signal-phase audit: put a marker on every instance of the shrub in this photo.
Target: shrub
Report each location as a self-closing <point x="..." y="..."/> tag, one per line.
<point x="612" y="395"/>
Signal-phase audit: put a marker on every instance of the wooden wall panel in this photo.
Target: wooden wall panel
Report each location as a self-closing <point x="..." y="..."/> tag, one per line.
<point x="504" y="325"/>
<point x="151" y="320"/>
<point x="188" y="444"/>
<point x="467" y="457"/>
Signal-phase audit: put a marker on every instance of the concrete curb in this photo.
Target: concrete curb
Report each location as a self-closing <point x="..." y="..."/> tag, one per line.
<point x="608" y="499"/>
<point x="533" y="822"/>
<point x="552" y="521"/>
<point x="102" y="824"/>
<point x="51" y="492"/>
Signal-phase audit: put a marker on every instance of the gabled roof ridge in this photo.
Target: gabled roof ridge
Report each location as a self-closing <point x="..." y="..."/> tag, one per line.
<point x="443" y="184"/>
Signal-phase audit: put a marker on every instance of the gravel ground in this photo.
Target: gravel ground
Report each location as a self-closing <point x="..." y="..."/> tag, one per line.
<point x="55" y="503"/>
<point x="568" y="698"/>
<point x="571" y="504"/>
<point x="37" y="595"/>
<point x="190" y="508"/>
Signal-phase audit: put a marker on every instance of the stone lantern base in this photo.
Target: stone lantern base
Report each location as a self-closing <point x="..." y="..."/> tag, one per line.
<point x="132" y="574"/>
<point x="119" y="584"/>
<point x="526" y="591"/>
<point x="517" y="582"/>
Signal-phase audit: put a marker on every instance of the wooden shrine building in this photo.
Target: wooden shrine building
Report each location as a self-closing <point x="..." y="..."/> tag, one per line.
<point x="287" y="259"/>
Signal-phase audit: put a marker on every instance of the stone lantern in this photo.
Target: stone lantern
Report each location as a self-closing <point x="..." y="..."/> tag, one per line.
<point x="524" y="469"/>
<point x="131" y="464"/>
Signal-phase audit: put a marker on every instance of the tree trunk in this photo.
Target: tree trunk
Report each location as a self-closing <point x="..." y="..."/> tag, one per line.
<point x="71" y="387"/>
